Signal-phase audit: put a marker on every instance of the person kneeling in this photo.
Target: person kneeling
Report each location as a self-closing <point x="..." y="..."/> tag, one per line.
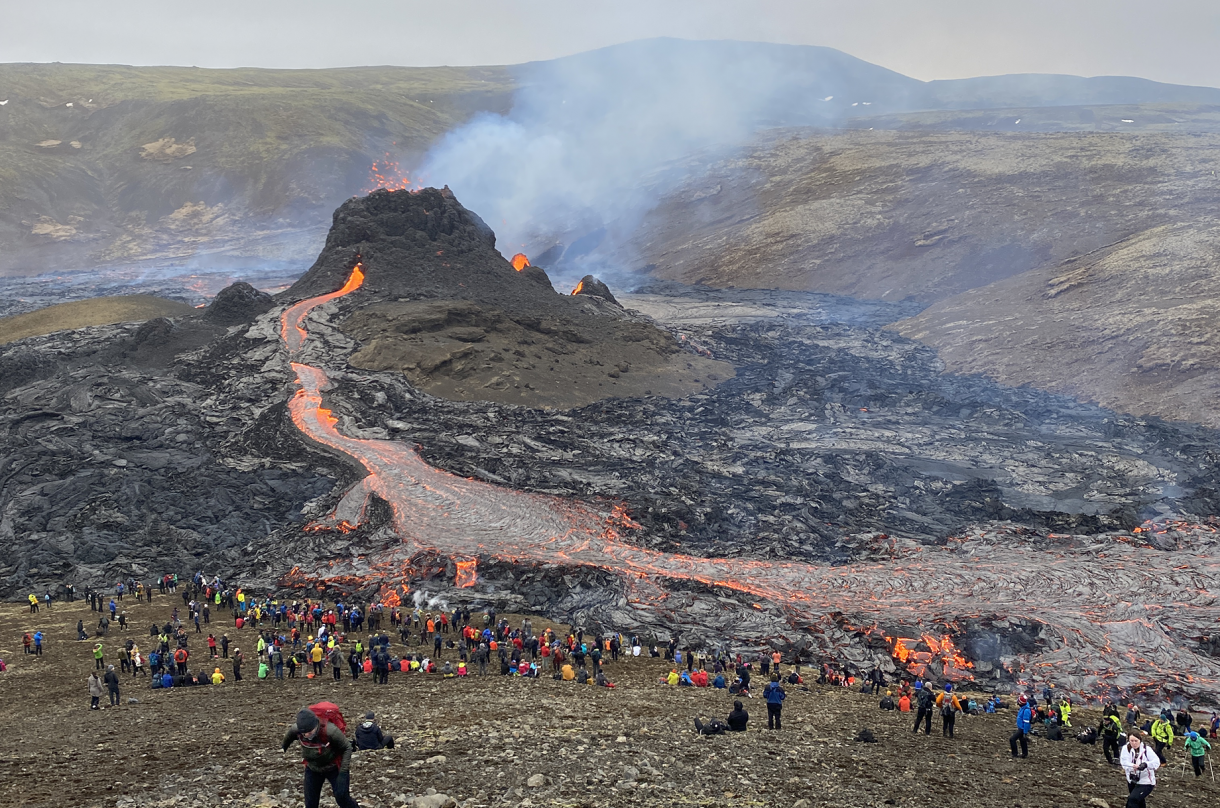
<point x="370" y="736"/>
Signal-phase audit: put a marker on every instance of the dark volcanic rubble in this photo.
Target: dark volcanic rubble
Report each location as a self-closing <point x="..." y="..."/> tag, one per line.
<point x="875" y="496"/>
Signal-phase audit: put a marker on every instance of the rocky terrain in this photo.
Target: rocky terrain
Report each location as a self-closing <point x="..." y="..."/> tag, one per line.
<point x="1081" y="263"/>
<point x="509" y="742"/>
<point x="837" y="492"/>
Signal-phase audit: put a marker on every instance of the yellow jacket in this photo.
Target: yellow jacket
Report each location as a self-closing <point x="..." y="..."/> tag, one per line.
<point x="1162" y="731"/>
<point x="568" y="673"/>
<point x="673" y="677"/>
<point x="316" y="653"/>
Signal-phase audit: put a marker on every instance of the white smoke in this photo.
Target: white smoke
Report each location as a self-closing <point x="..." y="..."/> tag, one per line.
<point x="423" y="601"/>
<point x="593" y="140"/>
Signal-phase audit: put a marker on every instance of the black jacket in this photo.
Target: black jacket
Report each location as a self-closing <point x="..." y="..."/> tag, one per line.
<point x="737" y="720"/>
<point x="369" y="736"/>
<point x="322" y="756"/>
<point x="112" y="681"/>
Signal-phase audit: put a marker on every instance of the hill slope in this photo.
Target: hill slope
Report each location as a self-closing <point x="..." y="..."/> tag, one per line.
<point x="1115" y="235"/>
<point x="118" y="165"/>
<point x="82" y="313"/>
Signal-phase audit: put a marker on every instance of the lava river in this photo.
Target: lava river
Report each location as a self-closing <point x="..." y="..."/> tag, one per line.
<point x="1125" y="616"/>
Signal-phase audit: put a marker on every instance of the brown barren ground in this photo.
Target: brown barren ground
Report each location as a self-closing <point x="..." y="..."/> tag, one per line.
<point x="479" y="740"/>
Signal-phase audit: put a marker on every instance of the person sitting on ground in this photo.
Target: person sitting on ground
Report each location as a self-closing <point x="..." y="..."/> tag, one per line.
<point x="713" y="727"/>
<point x="446" y="671"/>
<point x="370" y="736"/>
<point x="582" y="676"/>
<point x="719" y="682"/>
<point x="904" y="703"/>
<point x="601" y="679"/>
<point x="217" y="677"/>
<point x="569" y="675"/>
<point x="672" y="677"/>
<point x="738" y="718"/>
<point x="794" y="678"/>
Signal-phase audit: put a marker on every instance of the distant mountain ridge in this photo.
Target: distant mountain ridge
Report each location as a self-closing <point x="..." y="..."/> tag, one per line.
<point x="104" y="165"/>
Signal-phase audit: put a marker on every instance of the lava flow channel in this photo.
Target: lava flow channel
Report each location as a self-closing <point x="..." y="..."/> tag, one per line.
<point x="1122" y="618"/>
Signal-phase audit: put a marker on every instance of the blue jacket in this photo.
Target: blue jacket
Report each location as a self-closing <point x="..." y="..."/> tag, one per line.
<point x="774" y="694"/>
<point x="1024" y="718"/>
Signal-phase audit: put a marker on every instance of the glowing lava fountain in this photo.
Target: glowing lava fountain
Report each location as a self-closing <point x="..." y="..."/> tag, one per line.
<point x="1121" y="616"/>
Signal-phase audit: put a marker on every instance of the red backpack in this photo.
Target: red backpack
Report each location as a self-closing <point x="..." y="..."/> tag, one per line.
<point x="328" y="712"/>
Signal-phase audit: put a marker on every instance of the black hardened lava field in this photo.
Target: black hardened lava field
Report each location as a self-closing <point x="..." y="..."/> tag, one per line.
<point x="817" y="482"/>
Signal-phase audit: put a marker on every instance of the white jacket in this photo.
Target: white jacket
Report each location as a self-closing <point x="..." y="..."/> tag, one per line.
<point x="1131" y="763"/>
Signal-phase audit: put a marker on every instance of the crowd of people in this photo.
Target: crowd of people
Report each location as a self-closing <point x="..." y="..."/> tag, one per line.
<point x="311" y="639"/>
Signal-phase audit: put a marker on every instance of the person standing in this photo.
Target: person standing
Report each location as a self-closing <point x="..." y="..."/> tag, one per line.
<point x="37" y="643"/>
<point x="1025" y="717"/>
<point x="112" y="685"/>
<point x="96" y="690"/>
<point x="1140" y="767"/>
<point x="774" y="695"/>
<point x="949" y="708"/>
<point x="98" y="663"/>
<point x="238" y="659"/>
<point x="327" y="755"/>
<point x="336" y="662"/>
<point x="925" y="703"/>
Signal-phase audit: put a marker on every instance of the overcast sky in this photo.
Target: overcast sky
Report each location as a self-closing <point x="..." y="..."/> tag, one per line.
<point x="1166" y="40"/>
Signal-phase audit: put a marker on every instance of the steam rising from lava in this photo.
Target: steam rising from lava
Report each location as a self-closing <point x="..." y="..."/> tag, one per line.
<point x="1092" y="599"/>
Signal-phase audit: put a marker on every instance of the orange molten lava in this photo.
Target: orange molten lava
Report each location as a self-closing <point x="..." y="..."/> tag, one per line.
<point x="466" y="573"/>
<point x="292" y="318"/>
<point x="1141" y="604"/>
<point x="579" y="286"/>
<point x="386" y="174"/>
<point x="520" y="262"/>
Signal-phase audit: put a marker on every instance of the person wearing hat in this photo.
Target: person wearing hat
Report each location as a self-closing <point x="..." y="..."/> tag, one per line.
<point x="1025" y="719"/>
<point x="370" y="736"/>
<point x="949" y="708"/>
<point x="327" y="755"/>
<point x="1197" y="748"/>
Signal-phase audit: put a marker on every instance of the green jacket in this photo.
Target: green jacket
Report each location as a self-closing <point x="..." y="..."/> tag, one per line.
<point x="336" y="751"/>
<point x="1198" y="747"/>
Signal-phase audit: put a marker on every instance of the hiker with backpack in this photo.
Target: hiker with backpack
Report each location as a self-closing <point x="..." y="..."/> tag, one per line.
<point x="326" y="752"/>
<point x="926" y="703"/>
<point x="949" y="708"/>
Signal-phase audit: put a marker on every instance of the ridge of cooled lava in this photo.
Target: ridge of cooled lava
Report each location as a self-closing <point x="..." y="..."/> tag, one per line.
<point x="836" y="491"/>
<point x="1087" y="606"/>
